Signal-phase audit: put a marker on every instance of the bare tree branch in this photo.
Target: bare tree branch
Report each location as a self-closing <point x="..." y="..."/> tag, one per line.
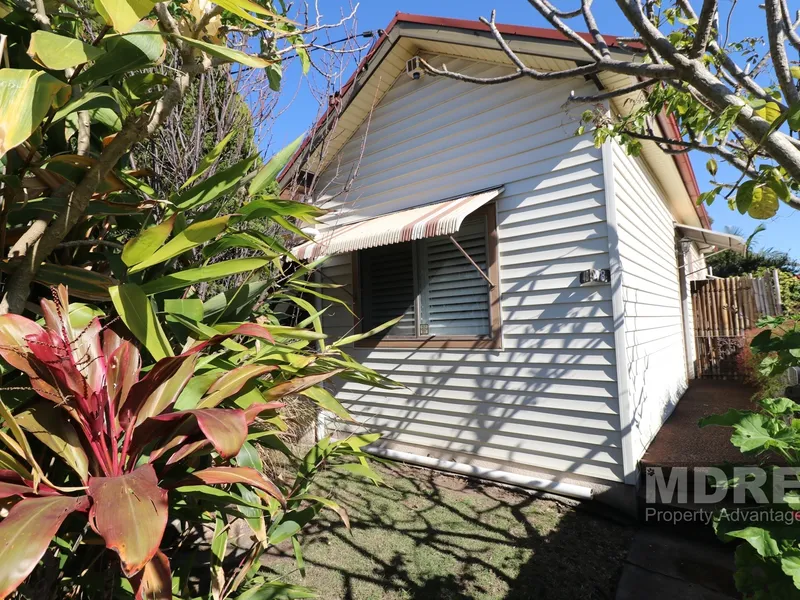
<point x="705" y="27"/>
<point x="777" y="49"/>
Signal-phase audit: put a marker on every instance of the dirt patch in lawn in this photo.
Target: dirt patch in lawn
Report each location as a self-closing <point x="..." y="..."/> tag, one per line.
<point x="428" y="535"/>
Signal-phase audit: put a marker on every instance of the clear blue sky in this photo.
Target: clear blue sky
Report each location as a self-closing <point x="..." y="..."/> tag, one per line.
<point x="302" y="108"/>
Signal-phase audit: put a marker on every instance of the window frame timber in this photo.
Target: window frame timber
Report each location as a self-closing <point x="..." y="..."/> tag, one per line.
<point x="493" y="341"/>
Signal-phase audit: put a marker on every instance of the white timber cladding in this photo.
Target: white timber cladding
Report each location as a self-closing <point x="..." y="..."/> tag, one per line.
<point x="548" y="399"/>
<point x="656" y="369"/>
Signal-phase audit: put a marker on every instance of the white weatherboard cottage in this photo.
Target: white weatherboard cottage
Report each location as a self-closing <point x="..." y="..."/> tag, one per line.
<point x="510" y="362"/>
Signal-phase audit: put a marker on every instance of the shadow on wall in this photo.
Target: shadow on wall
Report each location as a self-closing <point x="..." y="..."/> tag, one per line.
<point x="552" y="404"/>
<point x="434" y="536"/>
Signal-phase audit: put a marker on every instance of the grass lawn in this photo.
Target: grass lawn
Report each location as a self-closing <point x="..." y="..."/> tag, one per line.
<point x="429" y="535"/>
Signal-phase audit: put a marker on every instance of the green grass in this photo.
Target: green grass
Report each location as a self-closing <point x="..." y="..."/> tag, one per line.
<point x="427" y="535"/>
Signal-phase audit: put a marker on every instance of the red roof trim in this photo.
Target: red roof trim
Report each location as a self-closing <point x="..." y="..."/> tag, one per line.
<point x="684" y="165"/>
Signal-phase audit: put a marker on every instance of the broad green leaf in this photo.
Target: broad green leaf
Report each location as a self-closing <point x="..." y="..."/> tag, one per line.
<point x="744" y="196"/>
<point x="146" y="243"/>
<point x="795" y="71"/>
<point x="217" y="496"/>
<point x="292" y="522"/>
<point x="770" y="112"/>
<point x="794" y="116"/>
<point x="194" y="235"/>
<point x="141" y="86"/>
<point x="758" y="538"/>
<point x="248" y="457"/>
<point x="270" y="171"/>
<point x="191" y="308"/>
<point x="26" y="533"/>
<point x="183" y="279"/>
<point x="222" y="52"/>
<point x="790" y="565"/>
<point x="217" y="185"/>
<point x="350" y="339"/>
<point x="82" y="283"/>
<point x="26" y="96"/>
<point x="297" y="385"/>
<point x="127" y="53"/>
<point x="137" y="313"/>
<point x="234" y="305"/>
<point x="764" y="203"/>
<point x="298" y="556"/>
<point x="728" y="419"/>
<point x="130" y="513"/>
<point x="750" y="434"/>
<point x="326" y="401"/>
<point x="123" y="15"/>
<point x="232" y="382"/>
<point x="59" y="52"/>
<point x="244" y="475"/>
<point x="711" y="166"/>
<point x="219" y="546"/>
<point x="209" y="159"/>
<point x="167" y="393"/>
<point x="80" y="315"/>
<point x="228" y="54"/>
<point x="275" y="590"/>
<point x="252" y="240"/>
<point x="48" y="423"/>
<point x="270" y="208"/>
<point x="361" y="471"/>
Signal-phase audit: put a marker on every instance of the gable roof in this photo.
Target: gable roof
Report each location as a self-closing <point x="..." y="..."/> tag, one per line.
<point x="541" y="48"/>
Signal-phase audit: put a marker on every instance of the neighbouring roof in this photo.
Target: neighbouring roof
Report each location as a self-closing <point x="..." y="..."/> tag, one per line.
<point x="541" y="48"/>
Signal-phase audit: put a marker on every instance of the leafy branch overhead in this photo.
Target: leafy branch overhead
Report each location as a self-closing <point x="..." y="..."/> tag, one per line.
<point x="682" y="84"/>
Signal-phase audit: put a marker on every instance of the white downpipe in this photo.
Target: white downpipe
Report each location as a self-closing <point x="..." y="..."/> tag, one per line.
<point x="545" y="485"/>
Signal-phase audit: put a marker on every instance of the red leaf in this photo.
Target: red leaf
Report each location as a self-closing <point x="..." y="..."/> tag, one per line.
<point x="245" y="475"/>
<point x="167" y="367"/>
<point x="130" y="512"/>
<point x="154" y="582"/>
<point x="124" y="364"/>
<point x="7" y="490"/>
<point x="13" y="347"/>
<point x="225" y="428"/>
<point x="26" y="533"/>
<point x="255" y="409"/>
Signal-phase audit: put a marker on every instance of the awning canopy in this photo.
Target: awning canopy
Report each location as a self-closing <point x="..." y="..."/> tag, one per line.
<point x="717" y="239"/>
<point x="431" y="220"/>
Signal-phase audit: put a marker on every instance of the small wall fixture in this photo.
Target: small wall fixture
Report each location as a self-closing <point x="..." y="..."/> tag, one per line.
<point x="414" y="68"/>
<point x="595" y="276"/>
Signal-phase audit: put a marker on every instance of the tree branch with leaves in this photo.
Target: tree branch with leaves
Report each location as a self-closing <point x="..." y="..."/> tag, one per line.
<point x="735" y="101"/>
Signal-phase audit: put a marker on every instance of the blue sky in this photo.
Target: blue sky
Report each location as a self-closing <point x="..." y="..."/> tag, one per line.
<point x="301" y="107"/>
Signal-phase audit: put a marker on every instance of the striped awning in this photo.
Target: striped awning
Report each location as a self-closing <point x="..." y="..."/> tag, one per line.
<point x="431" y="220"/>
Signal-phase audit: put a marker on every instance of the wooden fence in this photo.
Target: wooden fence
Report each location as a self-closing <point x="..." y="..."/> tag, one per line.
<point x="767" y="292"/>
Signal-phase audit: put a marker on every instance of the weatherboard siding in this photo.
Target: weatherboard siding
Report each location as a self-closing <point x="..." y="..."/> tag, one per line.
<point x="548" y="399"/>
<point x="653" y="320"/>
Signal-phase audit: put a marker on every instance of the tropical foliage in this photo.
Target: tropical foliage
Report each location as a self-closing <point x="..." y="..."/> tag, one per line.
<point x="134" y="398"/>
<point x="768" y="555"/>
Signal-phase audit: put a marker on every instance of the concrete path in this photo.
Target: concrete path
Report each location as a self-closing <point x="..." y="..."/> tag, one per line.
<point x="664" y="564"/>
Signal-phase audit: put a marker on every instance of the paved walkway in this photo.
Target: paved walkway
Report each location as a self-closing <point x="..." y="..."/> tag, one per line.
<point x="681" y="443"/>
<point x="666" y="565"/>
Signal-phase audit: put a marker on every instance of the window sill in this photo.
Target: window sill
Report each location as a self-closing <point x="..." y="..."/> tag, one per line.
<point x="434" y="343"/>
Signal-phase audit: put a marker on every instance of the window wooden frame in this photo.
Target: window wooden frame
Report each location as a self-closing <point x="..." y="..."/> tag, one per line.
<point x="493" y="341"/>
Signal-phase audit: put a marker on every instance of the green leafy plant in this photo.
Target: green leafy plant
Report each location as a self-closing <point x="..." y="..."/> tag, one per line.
<point x="767" y="557"/>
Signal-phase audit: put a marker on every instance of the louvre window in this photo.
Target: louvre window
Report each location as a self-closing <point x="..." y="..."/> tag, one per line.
<point x="431" y="285"/>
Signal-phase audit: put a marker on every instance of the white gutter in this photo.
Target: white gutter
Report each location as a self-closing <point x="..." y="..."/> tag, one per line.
<point x="545" y="485"/>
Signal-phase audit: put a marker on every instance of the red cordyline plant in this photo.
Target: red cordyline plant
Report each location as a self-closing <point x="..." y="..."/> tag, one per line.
<point x="110" y="424"/>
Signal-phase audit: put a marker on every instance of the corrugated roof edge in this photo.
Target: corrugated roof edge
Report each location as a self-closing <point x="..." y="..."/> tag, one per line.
<point x="669" y="124"/>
